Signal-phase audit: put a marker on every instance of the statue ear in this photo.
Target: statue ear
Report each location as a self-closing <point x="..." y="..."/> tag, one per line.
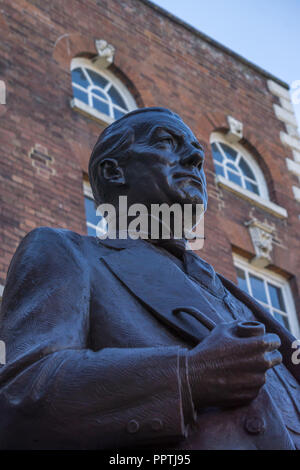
<point x="111" y="171"/>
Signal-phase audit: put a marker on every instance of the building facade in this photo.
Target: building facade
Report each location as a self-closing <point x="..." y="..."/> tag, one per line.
<point x="71" y="68"/>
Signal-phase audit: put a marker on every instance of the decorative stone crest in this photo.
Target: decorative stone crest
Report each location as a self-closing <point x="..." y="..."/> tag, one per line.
<point x="106" y="53"/>
<point x="262" y="239"/>
<point x="235" y="133"/>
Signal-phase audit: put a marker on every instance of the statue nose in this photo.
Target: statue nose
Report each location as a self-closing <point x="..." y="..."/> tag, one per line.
<point x="194" y="158"/>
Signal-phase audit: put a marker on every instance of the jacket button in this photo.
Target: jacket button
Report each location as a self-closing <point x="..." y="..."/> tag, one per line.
<point x="255" y="425"/>
<point x="156" y="424"/>
<point x="133" y="426"/>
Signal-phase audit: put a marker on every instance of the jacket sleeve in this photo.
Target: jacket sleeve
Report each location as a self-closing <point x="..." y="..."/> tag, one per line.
<point x="55" y="392"/>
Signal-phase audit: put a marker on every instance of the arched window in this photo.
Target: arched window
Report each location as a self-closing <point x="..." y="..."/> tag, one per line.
<point x="236" y="165"/>
<point x="98" y="92"/>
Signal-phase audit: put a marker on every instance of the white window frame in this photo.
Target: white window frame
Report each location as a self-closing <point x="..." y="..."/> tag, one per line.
<point x="276" y="280"/>
<point x="89" y="109"/>
<point x="217" y="137"/>
<point x="263" y="200"/>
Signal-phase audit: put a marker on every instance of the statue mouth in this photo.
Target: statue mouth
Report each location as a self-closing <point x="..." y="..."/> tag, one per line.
<point x="189" y="176"/>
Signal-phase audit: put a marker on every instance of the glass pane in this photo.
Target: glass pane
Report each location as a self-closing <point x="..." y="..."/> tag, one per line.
<point x="98" y="80"/>
<point x="79" y="78"/>
<point x="91" y="231"/>
<point x="97" y="92"/>
<point x="101" y="106"/>
<point x="230" y="153"/>
<point x="246" y="169"/>
<point x="90" y="211"/>
<point x="251" y="187"/>
<point x="276" y="297"/>
<point x="241" y="276"/>
<point x="80" y="95"/>
<point x="116" y="97"/>
<point x="234" y="178"/>
<point x="232" y="166"/>
<point x="258" y="288"/>
<point x="219" y="170"/>
<point x="282" y="319"/>
<point x="118" y="114"/>
<point x="217" y="156"/>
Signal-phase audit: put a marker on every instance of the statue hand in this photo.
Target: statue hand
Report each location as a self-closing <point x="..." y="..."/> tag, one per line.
<point x="227" y="369"/>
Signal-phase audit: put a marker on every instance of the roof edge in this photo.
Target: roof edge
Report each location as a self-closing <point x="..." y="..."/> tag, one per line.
<point x="215" y="43"/>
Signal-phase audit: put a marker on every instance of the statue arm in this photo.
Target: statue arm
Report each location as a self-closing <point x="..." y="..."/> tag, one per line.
<point x="55" y="392"/>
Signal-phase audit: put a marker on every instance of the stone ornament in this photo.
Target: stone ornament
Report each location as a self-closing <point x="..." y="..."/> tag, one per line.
<point x="261" y="236"/>
<point x="235" y="133"/>
<point x="105" y="52"/>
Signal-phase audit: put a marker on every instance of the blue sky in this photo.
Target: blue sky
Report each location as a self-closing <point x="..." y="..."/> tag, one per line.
<point x="266" y="32"/>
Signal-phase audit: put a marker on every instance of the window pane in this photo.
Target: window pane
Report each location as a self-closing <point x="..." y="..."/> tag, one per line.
<point x="241" y="276"/>
<point x="232" y="166"/>
<point x="219" y="170"/>
<point x="217" y="156"/>
<point x="234" y="178"/>
<point x="251" y="187"/>
<point x="258" y="288"/>
<point x="99" y="93"/>
<point x="79" y="78"/>
<point x="276" y="297"/>
<point x="282" y="319"/>
<point x="101" y="106"/>
<point x="90" y="211"/>
<point x="80" y="95"/>
<point x="91" y="231"/>
<point x="246" y="169"/>
<point x="116" y="97"/>
<point x="98" y="80"/>
<point x="230" y="153"/>
<point x="118" y="114"/>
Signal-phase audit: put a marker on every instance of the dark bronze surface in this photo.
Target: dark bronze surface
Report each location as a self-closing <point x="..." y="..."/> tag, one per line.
<point x="114" y="343"/>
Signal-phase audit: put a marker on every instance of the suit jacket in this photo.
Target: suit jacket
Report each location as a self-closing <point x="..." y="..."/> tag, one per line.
<point x="94" y="351"/>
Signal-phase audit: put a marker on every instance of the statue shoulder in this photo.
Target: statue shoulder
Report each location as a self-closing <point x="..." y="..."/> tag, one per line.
<point x="49" y="246"/>
<point x="47" y="237"/>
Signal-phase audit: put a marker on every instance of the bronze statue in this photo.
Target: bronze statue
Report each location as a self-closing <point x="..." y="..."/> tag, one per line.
<point x="125" y="343"/>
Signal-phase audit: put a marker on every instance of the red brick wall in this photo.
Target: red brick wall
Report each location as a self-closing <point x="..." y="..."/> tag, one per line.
<point x="163" y="63"/>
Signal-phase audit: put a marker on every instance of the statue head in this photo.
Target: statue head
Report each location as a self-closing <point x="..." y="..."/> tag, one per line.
<point x="151" y="156"/>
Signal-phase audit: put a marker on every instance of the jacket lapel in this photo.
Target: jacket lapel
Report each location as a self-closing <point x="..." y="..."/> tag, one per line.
<point x="161" y="285"/>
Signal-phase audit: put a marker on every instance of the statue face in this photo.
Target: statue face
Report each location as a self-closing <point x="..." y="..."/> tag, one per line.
<point x="165" y="163"/>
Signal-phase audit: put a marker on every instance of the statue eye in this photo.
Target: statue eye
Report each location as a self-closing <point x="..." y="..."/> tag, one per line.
<point x="168" y="141"/>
